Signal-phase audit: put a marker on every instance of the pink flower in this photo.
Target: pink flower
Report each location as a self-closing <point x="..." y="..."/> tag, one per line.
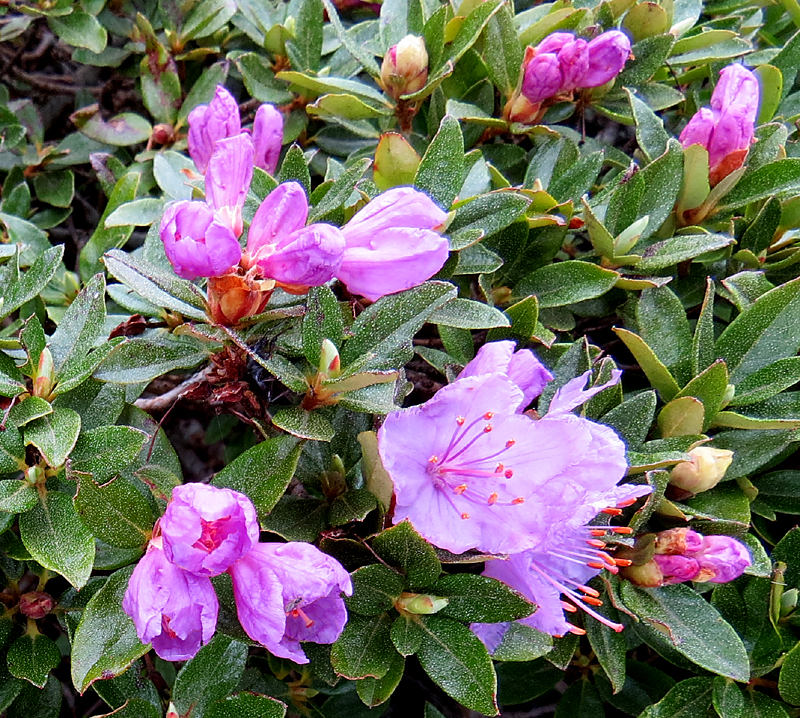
<point x="288" y="251"/>
<point x="521" y="367"/>
<point x="267" y="138"/>
<point x="726" y="129"/>
<point x="289" y="593"/>
<point x="205" y="529"/>
<point x="197" y="242"/>
<point x="391" y="245"/>
<point x="230" y="171"/>
<point x="210" y="123"/>
<point x="608" y="54"/>
<point x="171" y="608"/>
<point x="685" y="555"/>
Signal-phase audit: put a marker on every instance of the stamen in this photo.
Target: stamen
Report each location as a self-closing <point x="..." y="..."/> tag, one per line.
<point x="433" y="460"/>
<point x="624" y="562"/>
<point x="510" y="443"/>
<point x="626" y="503"/>
<point x="622" y="530"/>
<point x="577" y="631"/>
<point x="568" y="607"/>
<point x="597" y="532"/>
<point x="592" y="601"/>
<point x="460" y="420"/>
<point x="465" y="516"/>
<point x="488" y="415"/>
<point x="595" y="543"/>
<point x="460" y="489"/>
<point x="518" y="500"/>
<point x="509" y="473"/>
<point x="596" y="564"/>
<point x="611" y="511"/>
<point x="488" y="428"/>
<point x="589" y="591"/>
<point x="298" y="613"/>
<point x="492" y="499"/>
<point x="499" y="469"/>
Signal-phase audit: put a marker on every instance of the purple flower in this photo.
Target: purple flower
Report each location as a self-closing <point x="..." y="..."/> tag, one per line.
<point x="267" y="138"/>
<point x="230" y="171"/>
<point x="288" y="593"/>
<point x="726" y="129"/>
<point x="210" y="123"/>
<point x="285" y="249"/>
<point x="608" y="54"/>
<point x="205" y="529"/>
<point x="390" y="244"/>
<point x="469" y="473"/>
<point x="521" y="367"/>
<point x="171" y="608"/>
<point x="542" y="77"/>
<point x="722" y="559"/>
<point x="197" y="242"/>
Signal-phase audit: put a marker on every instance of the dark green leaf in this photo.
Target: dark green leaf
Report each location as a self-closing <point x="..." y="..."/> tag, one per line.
<point x="32" y="657"/>
<point x="688" y="699"/>
<point x="401" y="546"/>
<point x="364" y="648"/>
<point x="440" y="173"/>
<point x="480" y="599"/>
<point x="557" y="285"/>
<point x="375" y="590"/>
<point x="246" y="705"/>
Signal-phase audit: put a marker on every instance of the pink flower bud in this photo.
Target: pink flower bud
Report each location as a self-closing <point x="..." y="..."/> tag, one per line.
<point x="197" y="242"/>
<point x="705" y="470"/>
<point x="608" y="54"/>
<point x="405" y="67"/>
<point x="542" y="78"/>
<point x="230" y="171"/>
<point x="210" y="123"/>
<point x="267" y="138"/>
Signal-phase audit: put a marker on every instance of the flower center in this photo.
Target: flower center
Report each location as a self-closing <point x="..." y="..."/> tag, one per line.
<point x="211" y="537"/>
<point x="458" y="469"/>
<point x="293" y="609"/>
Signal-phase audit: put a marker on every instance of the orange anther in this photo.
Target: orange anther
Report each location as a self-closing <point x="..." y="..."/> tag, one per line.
<point x="624" y="562"/>
<point x="464" y="516"/>
<point x="596" y="543"/>
<point x="518" y="500"/>
<point x="612" y="511"/>
<point x="568" y="607"/>
<point x="595" y="564"/>
<point x="434" y="459"/>
<point x="589" y="591"/>
<point x="487" y="428"/>
<point x="509" y="473"/>
<point x="488" y="415"/>
<point x="460" y="489"/>
<point x="510" y="443"/>
<point x="460" y="420"/>
<point x="577" y="631"/>
<point x="597" y="532"/>
<point x="622" y="530"/>
<point x="492" y="499"/>
<point x="626" y="502"/>
<point x="499" y="469"/>
<point x="592" y="601"/>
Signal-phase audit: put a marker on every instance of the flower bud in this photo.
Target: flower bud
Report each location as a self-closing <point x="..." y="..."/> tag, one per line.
<point x="405" y="67"/>
<point x="648" y="575"/>
<point x="232" y="298"/>
<point x="329" y="363"/>
<point x="267" y="138"/>
<point x="43" y="383"/>
<point x="35" y="604"/>
<point x="172" y="711"/>
<point x="197" y="242"/>
<point x="210" y="123"/>
<point x="608" y="54"/>
<point x="705" y="470"/>
<point x="677" y="541"/>
<point x="421" y="603"/>
<point x="230" y="171"/>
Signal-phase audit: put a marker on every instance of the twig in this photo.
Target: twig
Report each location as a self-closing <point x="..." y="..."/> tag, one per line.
<point x="168" y="399"/>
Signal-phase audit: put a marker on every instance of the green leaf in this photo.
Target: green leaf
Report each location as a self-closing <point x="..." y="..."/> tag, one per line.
<point x="105" y="451"/>
<point x="12" y="451"/>
<point x="306" y="49"/>
<point x="121" y="131"/>
<point x="207" y="18"/>
<point x="105" y="642"/>
<point x="688" y="699"/>
<point x="375" y="590"/>
<point x="480" y="599"/>
<point x="562" y="283"/>
<point x="709" y="387"/>
<point x="503" y="51"/>
<point x="776" y="178"/>
<point x="578" y="179"/>
<point x="633" y="418"/>
<point x="81" y="326"/>
<point x="727" y="698"/>
<point x="524" y="317"/>
<point x="656" y="372"/>
<point x="757" y="705"/>
<point x="116" y="513"/>
<point x="246" y="705"/>
<point x="663" y="178"/>
<point x="468" y="314"/>
<point x="457" y="661"/>
<point x="56" y="188"/>
<point x="441" y="171"/>
<point x="375" y="691"/>
<point x="32" y="282"/>
<point x="54" y="434"/>
<point x="81" y="30"/>
<point x="703" y="338"/>
<point x="399" y="18"/>
<point x="484" y="216"/>
<point x="56" y="537"/>
<point x="360" y="53"/>
<point x="609" y="646"/>
<point x="210" y="676"/>
<point x="297" y="519"/>
<point x="763" y="333"/>
<point x="669" y="252"/>
<point x="161" y="289"/>
<point x="663" y="325"/>
<point x="104" y="239"/>
<point x="382" y="333"/>
<point x="294" y="167"/>
<point x="140" y="360"/>
<point x="522" y="643"/>
<point x="17" y="497"/>
<point x="781" y="490"/>
<point x="692" y="626"/>
<point x="761" y="232"/>
<point x="262" y="472"/>
<point x="364" y="648"/>
<point x="580" y="700"/>
<point x="340" y="190"/>
<point x="304" y="424"/>
<point x="401" y="546"/>
<point x="134" y="708"/>
<point x="32" y="657"/>
<point x="139" y="213"/>
<point x="352" y="505"/>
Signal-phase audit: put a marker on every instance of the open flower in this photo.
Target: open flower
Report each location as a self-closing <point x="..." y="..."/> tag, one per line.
<point x="285" y="249"/>
<point x="726" y="128"/>
<point x="210" y="123"/>
<point x="230" y="171"/>
<point x="171" y="608"/>
<point x="198" y="243"/>
<point x="391" y="243"/>
<point x="289" y="593"/>
<point x="205" y="528"/>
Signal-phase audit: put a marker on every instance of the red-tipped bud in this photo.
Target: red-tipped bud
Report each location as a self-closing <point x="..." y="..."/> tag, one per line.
<point x="405" y="67"/>
<point x="35" y="604"/>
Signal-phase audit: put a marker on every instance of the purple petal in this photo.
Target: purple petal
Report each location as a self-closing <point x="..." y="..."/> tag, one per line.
<point x="268" y="138"/>
<point x="573" y="60"/>
<point x="724" y="556"/>
<point x="737" y="87"/>
<point x="283" y="211"/>
<point x="608" y="54"/>
<point x="555" y="41"/>
<point x="396" y="258"/>
<point x="308" y="257"/>
<point x="699" y="129"/>
<point x="573" y="394"/>
<point x="210" y="123"/>
<point x="542" y="78"/>
<point x="230" y="171"/>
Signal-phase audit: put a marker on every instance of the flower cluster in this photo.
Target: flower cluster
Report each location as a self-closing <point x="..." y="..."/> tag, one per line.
<point x="726" y="128"/>
<point x="391" y="244"/>
<point x="682" y="554"/>
<point x="285" y="593"/>
<point x="472" y="471"/>
<point x="562" y="64"/>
